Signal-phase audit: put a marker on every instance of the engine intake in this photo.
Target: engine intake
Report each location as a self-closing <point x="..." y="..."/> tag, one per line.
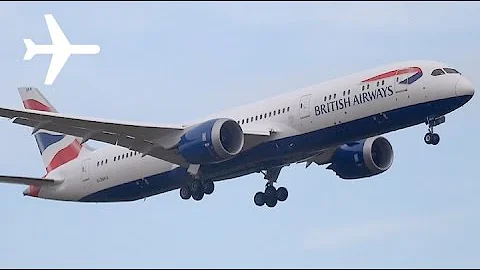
<point x="363" y="158"/>
<point x="211" y="141"/>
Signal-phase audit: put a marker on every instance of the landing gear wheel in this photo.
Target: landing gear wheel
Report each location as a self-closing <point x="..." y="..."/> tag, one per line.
<point x="435" y="138"/>
<point x="271" y="201"/>
<point x="282" y="194"/>
<point x="259" y="198"/>
<point x="196" y="187"/>
<point x="428" y="138"/>
<point x="208" y="187"/>
<point x="270" y="191"/>
<point x="185" y="192"/>
<point x="432" y="138"/>
<point x="198" y="195"/>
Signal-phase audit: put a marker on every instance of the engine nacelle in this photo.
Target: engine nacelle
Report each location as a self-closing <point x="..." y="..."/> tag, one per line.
<point x="211" y="141"/>
<point x="363" y="158"/>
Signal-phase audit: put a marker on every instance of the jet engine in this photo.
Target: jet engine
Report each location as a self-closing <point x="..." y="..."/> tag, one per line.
<point x="363" y="158"/>
<point x="211" y="141"/>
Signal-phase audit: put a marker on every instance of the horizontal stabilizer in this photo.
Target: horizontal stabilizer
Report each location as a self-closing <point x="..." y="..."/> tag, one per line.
<point x="26" y="180"/>
<point x="30" y="52"/>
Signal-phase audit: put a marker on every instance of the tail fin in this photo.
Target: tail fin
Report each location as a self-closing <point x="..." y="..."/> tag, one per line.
<point x="56" y="148"/>
<point x="30" y="53"/>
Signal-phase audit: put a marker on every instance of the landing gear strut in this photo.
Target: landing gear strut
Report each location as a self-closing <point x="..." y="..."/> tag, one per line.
<point x="431" y="137"/>
<point x="197" y="189"/>
<point x="271" y="195"/>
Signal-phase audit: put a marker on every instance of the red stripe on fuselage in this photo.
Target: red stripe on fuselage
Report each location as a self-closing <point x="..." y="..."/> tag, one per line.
<point x="393" y="73"/>
<point x="35" y="105"/>
<point x="65" y="155"/>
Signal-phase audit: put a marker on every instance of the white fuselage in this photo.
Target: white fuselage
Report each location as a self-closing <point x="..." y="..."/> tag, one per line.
<point x="331" y="104"/>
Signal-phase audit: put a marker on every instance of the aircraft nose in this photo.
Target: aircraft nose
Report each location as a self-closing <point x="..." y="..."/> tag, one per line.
<point x="464" y="88"/>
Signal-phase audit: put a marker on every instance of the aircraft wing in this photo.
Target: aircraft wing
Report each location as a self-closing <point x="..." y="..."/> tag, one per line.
<point x="59" y="40"/>
<point x="153" y="140"/>
<point x="56" y="64"/>
<point x="56" y="33"/>
<point x="26" y="180"/>
<point x="323" y="157"/>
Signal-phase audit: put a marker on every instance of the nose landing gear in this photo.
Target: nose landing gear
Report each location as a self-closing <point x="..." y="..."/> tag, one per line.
<point x="431" y="137"/>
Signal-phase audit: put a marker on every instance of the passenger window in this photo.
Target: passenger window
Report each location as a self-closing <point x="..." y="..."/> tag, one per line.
<point x="325" y="98"/>
<point x="101" y="163"/>
<point x="283" y="110"/>
<point x="288" y="109"/>
<point x="451" y="70"/>
<point x="335" y="96"/>
<point x="98" y="163"/>
<point x="247" y="120"/>
<point x="251" y="119"/>
<point x="270" y="114"/>
<point x="383" y="82"/>
<point x="343" y="93"/>
<point x="243" y="121"/>
<point x="265" y="116"/>
<point x="131" y="154"/>
<point x="274" y="112"/>
<point x="114" y="158"/>
<point x="123" y="156"/>
<point x="378" y="83"/>
<point x="368" y="86"/>
<point x="349" y="91"/>
<point x="256" y="117"/>
<point x="329" y="97"/>
<point x="278" y="111"/>
<point x="106" y="160"/>
<point x="261" y="116"/>
<point x="437" y="72"/>
<point x="363" y="87"/>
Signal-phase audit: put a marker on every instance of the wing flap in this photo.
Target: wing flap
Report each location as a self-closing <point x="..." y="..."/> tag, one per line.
<point x="26" y="180"/>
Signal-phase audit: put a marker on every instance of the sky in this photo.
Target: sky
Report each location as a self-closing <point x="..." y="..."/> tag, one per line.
<point x="168" y="63"/>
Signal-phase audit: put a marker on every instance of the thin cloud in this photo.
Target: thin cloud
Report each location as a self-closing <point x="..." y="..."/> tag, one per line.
<point x="353" y="234"/>
<point x="384" y="16"/>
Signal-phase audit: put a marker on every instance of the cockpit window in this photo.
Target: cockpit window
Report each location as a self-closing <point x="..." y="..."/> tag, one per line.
<point x="437" y="72"/>
<point x="451" y="70"/>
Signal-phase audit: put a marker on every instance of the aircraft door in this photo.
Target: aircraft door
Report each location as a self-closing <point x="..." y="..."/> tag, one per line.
<point x="305" y="106"/>
<point x="85" y="175"/>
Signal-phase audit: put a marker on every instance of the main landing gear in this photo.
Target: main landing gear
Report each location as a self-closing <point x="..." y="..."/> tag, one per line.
<point x="271" y="195"/>
<point x="197" y="189"/>
<point x="430" y="137"/>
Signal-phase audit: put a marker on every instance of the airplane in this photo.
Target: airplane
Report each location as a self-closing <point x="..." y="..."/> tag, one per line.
<point x="61" y="49"/>
<point x="339" y="123"/>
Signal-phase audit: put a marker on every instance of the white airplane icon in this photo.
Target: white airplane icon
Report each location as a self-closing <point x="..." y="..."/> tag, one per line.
<point x="61" y="49"/>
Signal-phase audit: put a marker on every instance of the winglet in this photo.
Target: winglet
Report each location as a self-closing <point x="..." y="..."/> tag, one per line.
<point x="30" y="53"/>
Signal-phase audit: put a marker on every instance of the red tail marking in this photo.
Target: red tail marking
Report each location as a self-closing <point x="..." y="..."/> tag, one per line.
<point x="35" y="105"/>
<point x="65" y="155"/>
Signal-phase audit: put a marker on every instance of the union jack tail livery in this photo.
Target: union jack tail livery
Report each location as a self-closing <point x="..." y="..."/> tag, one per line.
<point x="56" y="149"/>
